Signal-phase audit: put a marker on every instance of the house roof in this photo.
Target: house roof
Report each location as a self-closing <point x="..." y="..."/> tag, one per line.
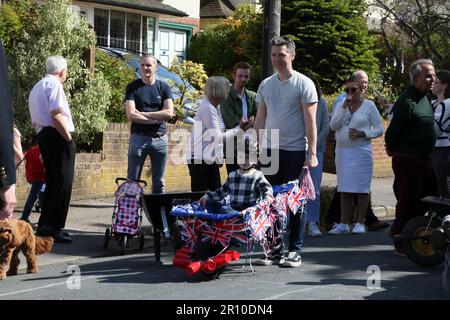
<point x="145" y="5"/>
<point x="216" y="8"/>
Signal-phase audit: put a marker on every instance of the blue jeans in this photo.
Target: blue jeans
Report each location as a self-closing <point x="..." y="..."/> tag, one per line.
<point x="313" y="207"/>
<point x="157" y="148"/>
<point x="291" y="164"/>
<point x="36" y="187"/>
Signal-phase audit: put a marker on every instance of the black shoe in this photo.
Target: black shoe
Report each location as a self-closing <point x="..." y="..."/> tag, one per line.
<point x="57" y="234"/>
<point x="60" y="237"/>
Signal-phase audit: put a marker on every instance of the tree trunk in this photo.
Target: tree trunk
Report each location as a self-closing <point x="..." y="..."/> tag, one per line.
<point x="272" y="20"/>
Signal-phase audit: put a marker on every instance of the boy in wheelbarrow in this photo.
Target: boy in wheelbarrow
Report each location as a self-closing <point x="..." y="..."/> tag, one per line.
<point x="246" y="186"/>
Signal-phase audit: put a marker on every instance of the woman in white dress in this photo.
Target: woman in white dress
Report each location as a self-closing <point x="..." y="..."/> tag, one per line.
<point x="356" y="121"/>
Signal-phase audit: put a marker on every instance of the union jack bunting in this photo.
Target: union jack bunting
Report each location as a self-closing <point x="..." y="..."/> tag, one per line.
<point x="259" y="227"/>
<point x="188" y="233"/>
<point x="215" y="235"/>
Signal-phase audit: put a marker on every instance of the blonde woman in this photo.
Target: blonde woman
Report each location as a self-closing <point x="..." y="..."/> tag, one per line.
<point x="356" y="121"/>
<point x="208" y="135"/>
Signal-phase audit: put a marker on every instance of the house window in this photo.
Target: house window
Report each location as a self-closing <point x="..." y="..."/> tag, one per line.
<point x="148" y="34"/>
<point x="117" y="29"/>
<point x="101" y="18"/>
<point x="133" y="31"/>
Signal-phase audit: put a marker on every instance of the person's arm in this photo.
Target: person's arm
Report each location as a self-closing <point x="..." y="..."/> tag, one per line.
<point x="309" y="115"/>
<point x="163" y="115"/>
<point x="60" y="124"/>
<point x="134" y="115"/>
<point x="8" y="202"/>
<point x="338" y="117"/>
<point x="265" y="189"/>
<point x="401" y="114"/>
<point x="17" y="145"/>
<point x="219" y="194"/>
<point x="377" y="127"/>
<point x="261" y="116"/>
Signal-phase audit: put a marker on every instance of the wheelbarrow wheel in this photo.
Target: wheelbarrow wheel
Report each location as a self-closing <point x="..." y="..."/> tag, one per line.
<point x="107" y="236"/>
<point x="141" y="240"/>
<point x="421" y="251"/>
<point x="123" y="244"/>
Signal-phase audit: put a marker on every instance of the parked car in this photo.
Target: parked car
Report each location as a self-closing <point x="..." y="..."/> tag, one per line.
<point x="162" y="73"/>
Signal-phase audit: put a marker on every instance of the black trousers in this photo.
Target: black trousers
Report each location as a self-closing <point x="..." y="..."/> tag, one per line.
<point x="59" y="163"/>
<point x="204" y="176"/>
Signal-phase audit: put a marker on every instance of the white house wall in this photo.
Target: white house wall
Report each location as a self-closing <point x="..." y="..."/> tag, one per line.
<point x="191" y="7"/>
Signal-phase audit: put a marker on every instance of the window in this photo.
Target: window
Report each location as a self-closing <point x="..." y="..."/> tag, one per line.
<point x="148" y="34"/>
<point x="117" y="29"/>
<point x="133" y="31"/>
<point x="101" y="18"/>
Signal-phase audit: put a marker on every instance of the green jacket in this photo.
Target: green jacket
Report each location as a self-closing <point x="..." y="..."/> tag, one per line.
<point x="231" y="107"/>
<point x="411" y="129"/>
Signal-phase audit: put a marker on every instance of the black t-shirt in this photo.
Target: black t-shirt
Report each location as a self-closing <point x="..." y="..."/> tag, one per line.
<point x="148" y="98"/>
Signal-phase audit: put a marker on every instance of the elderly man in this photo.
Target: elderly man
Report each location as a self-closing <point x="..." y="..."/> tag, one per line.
<point x="52" y="121"/>
<point x="7" y="167"/>
<point x="287" y="103"/>
<point x="410" y="139"/>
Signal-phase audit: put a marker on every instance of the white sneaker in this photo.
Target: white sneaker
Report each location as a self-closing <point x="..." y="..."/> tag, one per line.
<point x="314" y="230"/>
<point x="359" y="228"/>
<point x="340" y="228"/>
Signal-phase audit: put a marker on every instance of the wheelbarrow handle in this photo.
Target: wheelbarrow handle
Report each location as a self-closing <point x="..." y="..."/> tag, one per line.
<point x="125" y="179"/>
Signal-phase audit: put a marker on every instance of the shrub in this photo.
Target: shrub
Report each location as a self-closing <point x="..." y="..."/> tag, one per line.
<point x="60" y="32"/>
<point x="118" y="74"/>
<point x="190" y="90"/>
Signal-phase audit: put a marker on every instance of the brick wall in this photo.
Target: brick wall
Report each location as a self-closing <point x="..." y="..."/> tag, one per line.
<point x="382" y="163"/>
<point x="95" y="172"/>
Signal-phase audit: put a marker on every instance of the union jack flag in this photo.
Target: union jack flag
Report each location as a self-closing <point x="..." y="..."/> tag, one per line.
<point x="259" y="227"/>
<point x="189" y="234"/>
<point x="236" y="227"/>
<point x="215" y="235"/>
<point x="296" y="199"/>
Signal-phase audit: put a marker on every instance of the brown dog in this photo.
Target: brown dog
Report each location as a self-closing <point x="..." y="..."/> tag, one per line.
<point x="16" y="236"/>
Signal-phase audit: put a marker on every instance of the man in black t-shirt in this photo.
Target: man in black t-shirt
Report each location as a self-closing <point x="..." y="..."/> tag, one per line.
<point x="148" y="103"/>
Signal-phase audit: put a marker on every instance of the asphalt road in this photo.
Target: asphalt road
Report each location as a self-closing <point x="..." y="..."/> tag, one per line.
<point x="344" y="267"/>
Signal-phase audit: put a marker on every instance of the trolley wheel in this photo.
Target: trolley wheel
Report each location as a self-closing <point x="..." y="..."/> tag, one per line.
<point x="141" y="241"/>
<point x="421" y="251"/>
<point x="107" y="236"/>
<point x="123" y="244"/>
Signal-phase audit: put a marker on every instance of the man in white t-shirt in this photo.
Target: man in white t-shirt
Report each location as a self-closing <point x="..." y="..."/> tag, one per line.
<point x="287" y="104"/>
<point x="52" y="121"/>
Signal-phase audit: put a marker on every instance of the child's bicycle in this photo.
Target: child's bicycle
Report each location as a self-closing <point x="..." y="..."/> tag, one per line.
<point x="127" y="215"/>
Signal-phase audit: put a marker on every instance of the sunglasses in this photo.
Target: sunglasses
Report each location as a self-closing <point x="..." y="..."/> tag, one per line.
<point x="351" y="90"/>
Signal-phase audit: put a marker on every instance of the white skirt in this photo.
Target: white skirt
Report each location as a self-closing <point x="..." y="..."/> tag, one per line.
<point x="354" y="168"/>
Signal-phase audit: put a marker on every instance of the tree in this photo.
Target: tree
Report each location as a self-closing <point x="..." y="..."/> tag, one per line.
<point x="331" y="37"/>
<point x="413" y="29"/>
<point x="238" y="38"/>
<point x="189" y="90"/>
<point x="43" y="30"/>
